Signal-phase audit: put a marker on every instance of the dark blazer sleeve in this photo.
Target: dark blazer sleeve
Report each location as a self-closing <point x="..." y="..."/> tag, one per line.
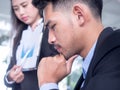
<point x="11" y="64"/>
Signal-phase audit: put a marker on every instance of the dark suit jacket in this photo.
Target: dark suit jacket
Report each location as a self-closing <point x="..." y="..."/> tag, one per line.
<point x="30" y="81"/>
<point x="104" y="69"/>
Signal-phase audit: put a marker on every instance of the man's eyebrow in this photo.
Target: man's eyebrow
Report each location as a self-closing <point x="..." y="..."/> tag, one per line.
<point x="47" y="24"/>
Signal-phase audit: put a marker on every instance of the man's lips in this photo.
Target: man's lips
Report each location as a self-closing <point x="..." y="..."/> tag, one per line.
<point x="58" y="48"/>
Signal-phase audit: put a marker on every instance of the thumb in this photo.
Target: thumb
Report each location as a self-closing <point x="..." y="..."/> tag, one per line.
<point x="14" y="67"/>
<point x="69" y="63"/>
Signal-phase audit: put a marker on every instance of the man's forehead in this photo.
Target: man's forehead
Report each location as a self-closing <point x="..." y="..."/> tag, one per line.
<point x="47" y="12"/>
<point x="48" y="8"/>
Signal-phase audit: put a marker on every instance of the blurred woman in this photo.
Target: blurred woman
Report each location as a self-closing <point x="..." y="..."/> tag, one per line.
<point x="30" y="44"/>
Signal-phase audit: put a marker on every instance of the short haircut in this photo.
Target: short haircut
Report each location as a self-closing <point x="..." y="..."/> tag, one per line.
<point x="94" y="5"/>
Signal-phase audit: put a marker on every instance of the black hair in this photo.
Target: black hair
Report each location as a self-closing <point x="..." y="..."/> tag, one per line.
<point x="95" y="5"/>
<point x="37" y="4"/>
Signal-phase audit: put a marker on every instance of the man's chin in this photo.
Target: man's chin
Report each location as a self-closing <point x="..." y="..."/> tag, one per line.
<point x="66" y="57"/>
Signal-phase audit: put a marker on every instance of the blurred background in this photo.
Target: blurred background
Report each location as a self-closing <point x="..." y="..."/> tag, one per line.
<point x="111" y="17"/>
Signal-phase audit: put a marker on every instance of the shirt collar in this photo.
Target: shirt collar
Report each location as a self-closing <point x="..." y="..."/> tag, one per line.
<point x="87" y="60"/>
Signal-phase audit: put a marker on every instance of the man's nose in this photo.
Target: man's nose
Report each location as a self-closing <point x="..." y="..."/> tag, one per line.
<point x="51" y="37"/>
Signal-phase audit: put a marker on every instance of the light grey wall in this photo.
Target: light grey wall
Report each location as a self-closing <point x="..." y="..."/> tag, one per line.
<point x="111" y="12"/>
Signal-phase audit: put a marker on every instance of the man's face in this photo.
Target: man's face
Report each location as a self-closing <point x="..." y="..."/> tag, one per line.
<point x="62" y="31"/>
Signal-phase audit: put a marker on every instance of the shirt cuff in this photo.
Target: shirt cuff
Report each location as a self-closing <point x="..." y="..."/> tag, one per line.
<point x="49" y="86"/>
<point x="6" y="79"/>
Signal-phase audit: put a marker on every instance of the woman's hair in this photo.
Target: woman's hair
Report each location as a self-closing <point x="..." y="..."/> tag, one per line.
<point x="18" y="26"/>
<point x="36" y="3"/>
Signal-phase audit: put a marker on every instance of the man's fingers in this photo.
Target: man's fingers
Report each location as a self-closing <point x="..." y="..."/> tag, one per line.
<point x="70" y="62"/>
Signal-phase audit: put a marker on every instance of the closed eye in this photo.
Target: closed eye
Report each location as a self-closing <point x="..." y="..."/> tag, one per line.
<point x="24" y="5"/>
<point x="53" y="27"/>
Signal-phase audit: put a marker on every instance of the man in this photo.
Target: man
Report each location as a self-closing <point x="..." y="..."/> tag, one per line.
<point x="75" y="28"/>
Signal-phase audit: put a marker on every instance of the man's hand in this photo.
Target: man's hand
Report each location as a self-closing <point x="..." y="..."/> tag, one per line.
<point x="54" y="69"/>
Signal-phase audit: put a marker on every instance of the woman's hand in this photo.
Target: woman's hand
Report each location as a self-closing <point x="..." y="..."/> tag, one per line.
<point x="16" y="74"/>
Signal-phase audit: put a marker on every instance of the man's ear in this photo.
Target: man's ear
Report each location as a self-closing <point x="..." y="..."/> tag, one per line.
<point x="80" y="13"/>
